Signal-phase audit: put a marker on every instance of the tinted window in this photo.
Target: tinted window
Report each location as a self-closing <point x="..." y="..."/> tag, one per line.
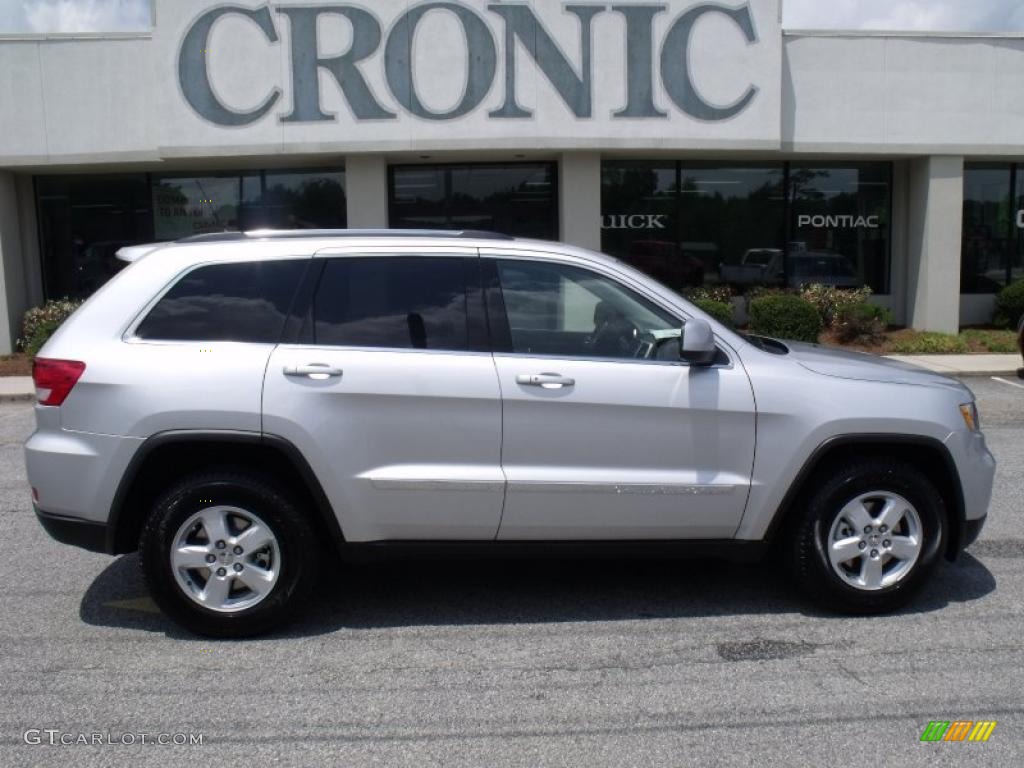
<point x="394" y="302"/>
<point x="227" y="302"/>
<point x="555" y="309"/>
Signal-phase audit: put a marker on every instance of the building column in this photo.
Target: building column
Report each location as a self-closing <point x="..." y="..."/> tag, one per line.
<point x="366" y="191"/>
<point x="579" y="199"/>
<point x="935" y="223"/>
<point x="12" y="271"/>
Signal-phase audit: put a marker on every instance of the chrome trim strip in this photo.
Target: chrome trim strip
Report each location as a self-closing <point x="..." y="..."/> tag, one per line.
<point x="635" y="489"/>
<point x="422" y="484"/>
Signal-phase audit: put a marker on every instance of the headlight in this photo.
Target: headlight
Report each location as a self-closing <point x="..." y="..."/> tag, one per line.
<point x="970" y="413"/>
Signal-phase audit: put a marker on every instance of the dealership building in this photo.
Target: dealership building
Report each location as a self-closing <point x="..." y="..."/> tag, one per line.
<point x="697" y="140"/>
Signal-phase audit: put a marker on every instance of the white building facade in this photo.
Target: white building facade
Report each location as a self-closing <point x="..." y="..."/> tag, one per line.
<point x="694" y="139"/>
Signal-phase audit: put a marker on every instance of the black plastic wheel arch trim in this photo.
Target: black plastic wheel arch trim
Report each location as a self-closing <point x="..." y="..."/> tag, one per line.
<point x="958" y="532"/>
<point x="323" y="506"/>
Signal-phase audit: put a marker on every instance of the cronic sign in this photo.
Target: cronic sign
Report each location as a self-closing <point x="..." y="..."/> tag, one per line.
<point x="650" y="59"/>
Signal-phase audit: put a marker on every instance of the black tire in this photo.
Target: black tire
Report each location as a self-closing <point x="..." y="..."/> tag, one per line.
<point x="295" y="539"/>
<point x="830" y="493"/>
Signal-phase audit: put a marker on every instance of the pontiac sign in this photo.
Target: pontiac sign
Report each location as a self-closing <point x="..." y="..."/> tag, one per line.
<point x="378" y="66"/>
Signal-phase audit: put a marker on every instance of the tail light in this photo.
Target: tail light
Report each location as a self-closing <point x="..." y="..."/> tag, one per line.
<point x="54" y="379"/>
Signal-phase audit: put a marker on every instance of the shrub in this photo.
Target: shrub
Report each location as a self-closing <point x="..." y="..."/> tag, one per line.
<point x="928" y="343"/>
<point x="831" y="301"/>
<point x="1010" y="305"/>
<point x="764" y="291"/>
<point x="861" y="322"/>
<point x="720" y="310"/>
<point x="786" y="317"/>
<point x="39" y="323"/>
<point x="719" y="293"/>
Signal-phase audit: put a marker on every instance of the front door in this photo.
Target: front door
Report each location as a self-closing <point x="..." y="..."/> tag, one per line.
<point x="606" y="433"/>
<point x="391" y="395"/>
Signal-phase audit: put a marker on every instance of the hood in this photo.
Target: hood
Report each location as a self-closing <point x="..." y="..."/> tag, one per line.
<point x="864" y="367"/>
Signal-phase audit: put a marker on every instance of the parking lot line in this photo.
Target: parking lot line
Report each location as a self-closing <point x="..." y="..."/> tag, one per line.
<point x="1011" y="383"/>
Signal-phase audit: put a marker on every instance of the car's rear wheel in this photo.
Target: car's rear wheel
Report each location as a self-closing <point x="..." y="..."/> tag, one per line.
<point x="227" y="554"/>
<point x="868" y="536"/>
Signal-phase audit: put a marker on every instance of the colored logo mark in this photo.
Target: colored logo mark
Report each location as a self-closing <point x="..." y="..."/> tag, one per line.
<point x="958" y="730"/>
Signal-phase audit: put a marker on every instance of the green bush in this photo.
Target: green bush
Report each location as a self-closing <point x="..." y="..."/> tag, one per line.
<point x="831" y="301"/>
<point x="39" y="323"/>
<point x="785" y="317"/>
<point x="720" y="310"/>
<point x="719" y="293"/>
<point x="764" y="291"/>
<point x="928" y="343"/>
<point x="861" y="322"/>
<point x="1010" y="305"/>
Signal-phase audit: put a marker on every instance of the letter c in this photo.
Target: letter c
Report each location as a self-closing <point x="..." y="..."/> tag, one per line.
<point x="675" y="63"/>
<point x="194" y="74"/>
<point x="1020" y="219"/>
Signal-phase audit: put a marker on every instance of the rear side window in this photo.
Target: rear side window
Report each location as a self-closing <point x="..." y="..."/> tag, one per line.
<point x="247" y="301"/>
<point x="397" y="302"/>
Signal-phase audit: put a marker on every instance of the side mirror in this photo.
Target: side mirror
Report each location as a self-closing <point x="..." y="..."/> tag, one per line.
<point x="697" y="343"/>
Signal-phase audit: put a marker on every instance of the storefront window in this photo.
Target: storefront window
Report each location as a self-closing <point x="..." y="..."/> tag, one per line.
<point x="992" y="233"/>
<point x="732" y="222"/>
<point x="840" y="225"/>
<point x="518" y="199"/>
<point x="84" y="220"/>
<point x="690" y="223"/>
<point x="191" y="205"/>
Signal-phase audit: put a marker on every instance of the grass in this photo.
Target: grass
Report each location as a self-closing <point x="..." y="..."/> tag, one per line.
<point x="906" y="341"/>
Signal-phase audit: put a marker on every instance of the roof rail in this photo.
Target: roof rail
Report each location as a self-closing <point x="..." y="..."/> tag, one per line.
<point x="295" y="234"/>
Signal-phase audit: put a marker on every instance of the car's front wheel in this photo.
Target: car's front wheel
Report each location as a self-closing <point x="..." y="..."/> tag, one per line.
<point x="227" y="554"/>
<point x="868" y="536"/>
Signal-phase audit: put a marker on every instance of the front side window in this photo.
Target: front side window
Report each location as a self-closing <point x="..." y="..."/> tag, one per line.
<point x="246" y="302"/>
<point x="394" y="302"/>
<point x="555" y="309"/>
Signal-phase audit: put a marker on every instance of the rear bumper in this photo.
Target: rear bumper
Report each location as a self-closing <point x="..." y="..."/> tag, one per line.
<point x="87" y="534"/>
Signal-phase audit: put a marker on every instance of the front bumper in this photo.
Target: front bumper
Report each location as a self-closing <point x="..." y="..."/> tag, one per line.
<point x="87" y="534"/>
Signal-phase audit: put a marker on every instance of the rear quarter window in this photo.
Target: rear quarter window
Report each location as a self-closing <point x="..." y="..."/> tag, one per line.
<point x="245" y="301"/>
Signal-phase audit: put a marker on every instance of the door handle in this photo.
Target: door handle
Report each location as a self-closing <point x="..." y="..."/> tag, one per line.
<point x="545" y="380"/>
<point x="318" y="371"/>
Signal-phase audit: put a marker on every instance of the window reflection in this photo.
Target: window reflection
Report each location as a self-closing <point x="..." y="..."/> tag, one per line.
<point x="392" y="302"/>
<point x="991" y="237"/>
<point x="840" y="220"/>
<point x="691" y="223"/>
<point x="516" y="199"/>
<point x="85" y="219"/>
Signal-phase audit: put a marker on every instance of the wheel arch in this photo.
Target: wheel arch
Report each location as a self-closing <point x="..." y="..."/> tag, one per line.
<point x="168" y="455"/>
<point x="927" y="453"/>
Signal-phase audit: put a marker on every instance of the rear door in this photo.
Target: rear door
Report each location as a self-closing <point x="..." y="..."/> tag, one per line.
<point x="607" y="434"/>
<point x="390" y="392"/>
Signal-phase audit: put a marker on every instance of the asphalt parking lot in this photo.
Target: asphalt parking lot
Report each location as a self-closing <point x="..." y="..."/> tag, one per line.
<point x="524" y="664"/>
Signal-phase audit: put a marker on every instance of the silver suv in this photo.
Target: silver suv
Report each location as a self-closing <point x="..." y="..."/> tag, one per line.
<point x="239" y="407"/>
